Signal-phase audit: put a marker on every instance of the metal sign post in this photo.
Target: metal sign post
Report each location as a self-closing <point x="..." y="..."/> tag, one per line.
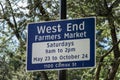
<point x="62" y="73"/>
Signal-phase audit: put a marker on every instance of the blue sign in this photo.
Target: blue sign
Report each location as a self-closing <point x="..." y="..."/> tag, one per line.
<point x="61" y="44"/>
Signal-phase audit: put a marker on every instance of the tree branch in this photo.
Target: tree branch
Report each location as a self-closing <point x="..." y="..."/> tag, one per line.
<point x="11" y="25"/>
<point x="116" y="3"/>
<point x="15" y="23"/>
<point x="111" y="49"/>
<point x="116" y="52"/>
<point x="38" y="4"/>
<point x="2" y="8"/>
<point x="101" y="60"/>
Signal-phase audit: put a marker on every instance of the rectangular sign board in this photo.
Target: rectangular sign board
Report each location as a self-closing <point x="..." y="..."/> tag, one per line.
<point x="61" y="44"/>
